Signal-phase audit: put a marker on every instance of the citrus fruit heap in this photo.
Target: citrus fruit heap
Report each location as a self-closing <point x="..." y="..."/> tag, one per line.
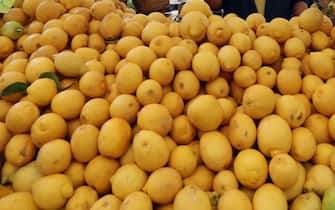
<point x="105" y="109"/>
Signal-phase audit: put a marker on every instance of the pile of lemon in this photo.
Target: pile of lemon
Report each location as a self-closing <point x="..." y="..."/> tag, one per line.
<point x="105" y="109"/>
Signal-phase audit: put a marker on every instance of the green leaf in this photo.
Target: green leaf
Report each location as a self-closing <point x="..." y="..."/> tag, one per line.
<point x="6" y="5"/>
<point x="214" y="198"/>
<point x="4" y="181"/>
<point x="53" y="76"/>
<point x="130" y="4"/>
<point x="16" y="87"/>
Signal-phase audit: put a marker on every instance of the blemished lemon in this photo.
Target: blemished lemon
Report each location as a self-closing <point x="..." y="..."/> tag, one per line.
<point x="48" y="127"/>
<point x="20" y="150"/>
<point x="149" y="92"/>
<point x="21" y="116"/>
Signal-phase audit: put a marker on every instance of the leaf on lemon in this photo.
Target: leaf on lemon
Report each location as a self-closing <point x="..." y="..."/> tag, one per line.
<point x="53" y="76"/>
<point x="16" y="87"/>
<point x="6" y="5"/>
